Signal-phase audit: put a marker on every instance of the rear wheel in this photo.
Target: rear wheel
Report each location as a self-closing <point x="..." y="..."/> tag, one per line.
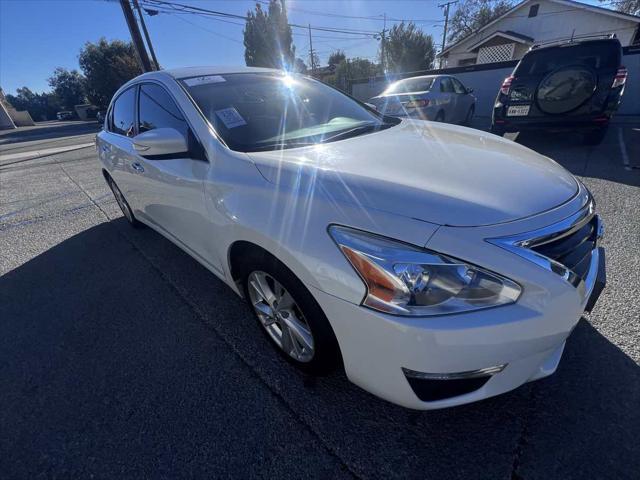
<point x="289" y="315"/>
<point x="123" y="204"/>
<point x="595" y="137"/>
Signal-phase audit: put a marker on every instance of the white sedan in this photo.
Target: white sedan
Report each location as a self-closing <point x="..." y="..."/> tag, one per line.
<point x="438" y="265"/>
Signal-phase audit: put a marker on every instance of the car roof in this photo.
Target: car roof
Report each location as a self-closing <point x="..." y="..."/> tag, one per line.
<point x="186" y="72"/>
<point x="422" y="77"/>
<point x="569" y="42"/>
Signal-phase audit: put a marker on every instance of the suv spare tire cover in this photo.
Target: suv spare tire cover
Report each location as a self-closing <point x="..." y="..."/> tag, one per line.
<point x="566" y="89"/>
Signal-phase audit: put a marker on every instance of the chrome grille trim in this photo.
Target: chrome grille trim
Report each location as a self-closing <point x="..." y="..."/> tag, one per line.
<point x="522" y="244"/>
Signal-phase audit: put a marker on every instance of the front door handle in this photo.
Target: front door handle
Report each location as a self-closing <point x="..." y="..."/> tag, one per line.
<point x="137" y="167"/>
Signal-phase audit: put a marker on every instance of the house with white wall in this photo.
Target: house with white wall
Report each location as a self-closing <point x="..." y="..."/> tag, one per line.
<point x="510" y="36"/>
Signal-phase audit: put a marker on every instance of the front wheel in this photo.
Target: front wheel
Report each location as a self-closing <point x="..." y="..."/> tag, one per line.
<point x="469" y="117"/>
<point x="123" y="204"/>
<point x="289" y="315"/>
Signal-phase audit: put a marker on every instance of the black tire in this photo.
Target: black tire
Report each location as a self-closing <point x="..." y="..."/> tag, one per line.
<point x="469" y="117"/>
<point x="439" y="116"/>
<point x="595" y="137"/>
<point x="326" y="356"/>
<point x="123" y="204"/>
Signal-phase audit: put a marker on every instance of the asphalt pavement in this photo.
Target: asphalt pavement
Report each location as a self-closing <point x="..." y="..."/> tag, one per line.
<point x="120" y="356"/>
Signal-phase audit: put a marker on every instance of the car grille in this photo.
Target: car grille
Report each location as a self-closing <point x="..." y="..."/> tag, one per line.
<point x="567" y="248"/>
<point x="572" y="248"/>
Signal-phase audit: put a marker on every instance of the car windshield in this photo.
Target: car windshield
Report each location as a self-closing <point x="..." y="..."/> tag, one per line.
<point x="410" y="85"/>
<point x="270" y="111"/>
<point x="595" y="55"/>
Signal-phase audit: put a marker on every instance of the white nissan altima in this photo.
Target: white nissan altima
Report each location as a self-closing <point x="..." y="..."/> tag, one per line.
<point x="437" y="264"/>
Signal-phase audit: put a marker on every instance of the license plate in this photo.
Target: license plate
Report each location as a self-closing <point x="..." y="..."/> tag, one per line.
<point x="518" y="111"/>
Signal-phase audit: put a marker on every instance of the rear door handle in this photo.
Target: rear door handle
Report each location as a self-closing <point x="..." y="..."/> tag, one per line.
<point x="137" y="167"/>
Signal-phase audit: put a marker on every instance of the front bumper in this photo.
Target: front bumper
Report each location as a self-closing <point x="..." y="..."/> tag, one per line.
<point x="384" y="354"/>
<point x="376" y="347"/>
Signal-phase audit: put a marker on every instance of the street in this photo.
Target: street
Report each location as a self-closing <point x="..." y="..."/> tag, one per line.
<point x="121" y="356"/>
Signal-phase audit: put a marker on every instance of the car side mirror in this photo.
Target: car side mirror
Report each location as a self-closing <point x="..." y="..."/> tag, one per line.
<point x="371" y="106"/>
<point x="160" y="141"/>
<point x="469" y="90"/>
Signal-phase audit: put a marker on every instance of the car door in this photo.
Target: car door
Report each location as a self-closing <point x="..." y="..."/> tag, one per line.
<point x="463" y="100"/>
<point x="117" y="147"/>
<point x="448" y="99"/>
<point x="171" y="187"/>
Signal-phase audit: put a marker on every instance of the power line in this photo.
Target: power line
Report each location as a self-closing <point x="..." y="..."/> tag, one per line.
<point x="210" y="31"/>
<point x="215" y="13"/>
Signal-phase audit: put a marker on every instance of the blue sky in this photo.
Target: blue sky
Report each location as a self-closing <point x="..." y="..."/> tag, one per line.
<point x="36" y="36"/>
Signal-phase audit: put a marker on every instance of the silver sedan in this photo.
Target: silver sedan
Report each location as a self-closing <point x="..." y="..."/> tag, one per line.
<point x="442" y="98"/>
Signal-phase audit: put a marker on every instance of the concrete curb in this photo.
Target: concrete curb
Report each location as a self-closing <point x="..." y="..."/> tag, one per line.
<point x="24" y="156"/>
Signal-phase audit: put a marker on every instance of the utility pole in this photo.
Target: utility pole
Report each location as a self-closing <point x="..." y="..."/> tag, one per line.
<point x="138" y="45"/>
<point x="446" y="24"/>
<point x="311" y="59"/>
<point x="382" y="44"/>
<point x="146" y="35"/>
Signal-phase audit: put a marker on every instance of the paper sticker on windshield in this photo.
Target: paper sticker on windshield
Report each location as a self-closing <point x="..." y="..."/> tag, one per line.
<point x="230" y="117"/>
<point x="207" y="79"/>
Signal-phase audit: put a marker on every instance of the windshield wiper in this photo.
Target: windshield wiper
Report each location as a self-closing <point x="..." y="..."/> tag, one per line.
<point x="352" y="132"/>
<point x="280" y="146"/>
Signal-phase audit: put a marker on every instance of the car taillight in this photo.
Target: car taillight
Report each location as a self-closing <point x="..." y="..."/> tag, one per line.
<point x="620" y="78"/>
<point x="506" y="85"/>
<point x="417" y="103"/>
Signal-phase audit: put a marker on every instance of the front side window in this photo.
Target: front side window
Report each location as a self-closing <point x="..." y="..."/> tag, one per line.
<point x="457" y="86"/>
<point x="156" y="109"/>
<point x="123" y="117"/>
<point x="446" y="85"/>
<point x="269" y="111"/>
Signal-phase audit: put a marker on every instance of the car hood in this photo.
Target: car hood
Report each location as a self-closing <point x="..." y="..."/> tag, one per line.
<point x="429" y="171"/>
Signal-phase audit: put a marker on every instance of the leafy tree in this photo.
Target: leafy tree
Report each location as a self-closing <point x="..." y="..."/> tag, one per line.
<point x="300" y="66"/>
<point x="472" y="15"/>
<point x="41" y="106"/>
<point x="107" y="66"/>
<point x="350" y="69"/>
<point x="68" y="86"/>
<point x="631" y="7"/>
<point x="268" y="41"/>
<point x="336" y="57"/>
<point x="407" y="49"/>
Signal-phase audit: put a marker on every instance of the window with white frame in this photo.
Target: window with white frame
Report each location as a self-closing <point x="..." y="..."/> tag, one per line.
<point x="496" y="53"/>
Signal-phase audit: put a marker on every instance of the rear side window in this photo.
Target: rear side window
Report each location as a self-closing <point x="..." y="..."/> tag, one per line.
<point x="158" y="110"/>
<point x="123" y="116"/>
<point x="601" y="56"/>
<point x="446" y="85"/>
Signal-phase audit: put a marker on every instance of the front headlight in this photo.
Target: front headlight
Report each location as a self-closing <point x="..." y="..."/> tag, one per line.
<point x="406" y="280"/>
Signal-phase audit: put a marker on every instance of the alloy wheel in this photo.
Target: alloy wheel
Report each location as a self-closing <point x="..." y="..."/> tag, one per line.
<point x="122" y="203"/>
<point x="281" y="316"/>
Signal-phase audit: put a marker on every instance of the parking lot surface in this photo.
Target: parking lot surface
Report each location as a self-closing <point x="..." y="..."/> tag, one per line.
<point x="120" y="356"/>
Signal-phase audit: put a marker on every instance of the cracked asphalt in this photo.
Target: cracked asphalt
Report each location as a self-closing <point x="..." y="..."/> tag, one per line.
<point x="120" y="356"/>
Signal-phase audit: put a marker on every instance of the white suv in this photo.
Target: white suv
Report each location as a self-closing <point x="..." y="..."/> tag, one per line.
<point x="438" y="264"/>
